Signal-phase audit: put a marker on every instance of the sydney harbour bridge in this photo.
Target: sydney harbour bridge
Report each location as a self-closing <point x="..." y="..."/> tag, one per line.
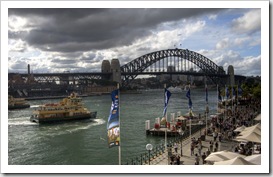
<point x="163" y="62"/>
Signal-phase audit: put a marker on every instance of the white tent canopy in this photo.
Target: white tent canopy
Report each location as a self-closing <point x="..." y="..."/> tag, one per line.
<point x="240" y="129"/>
<point x="250" y="136"/>
<point x="222" y="155"/>
<point x="234" y="161"/>
<point x="181" y="118"/>
<point x="258" y="126"/>
<point x="258" y="117"/>
<point x="256" y="159"/>
<point x="254" y="130"/>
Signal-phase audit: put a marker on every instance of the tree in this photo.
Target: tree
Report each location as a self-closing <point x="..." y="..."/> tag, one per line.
<point x="251" y="88"/>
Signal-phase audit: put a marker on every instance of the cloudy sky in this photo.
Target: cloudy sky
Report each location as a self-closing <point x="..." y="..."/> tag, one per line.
<point x="77" y="40"/>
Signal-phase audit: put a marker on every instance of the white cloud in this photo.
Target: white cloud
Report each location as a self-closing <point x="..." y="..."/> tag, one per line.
<point x="224" y="43"/>
<point x="249" y="23"/>
<point x="17" y="46"/>
<point x="241" y="40"/>
<point x="247" y="66"/>
<point x="255" y="42"/>
<point x="173" y="38"/>
<point x="16" y="23"/>
<point x="193" y="28"/>
<point x="159" y="40"/>
<point x="250" y="65"/>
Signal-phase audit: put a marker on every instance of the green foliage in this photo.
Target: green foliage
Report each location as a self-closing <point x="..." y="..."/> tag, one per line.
<point x="257" y="91"/>
<point x="251" y="88"/>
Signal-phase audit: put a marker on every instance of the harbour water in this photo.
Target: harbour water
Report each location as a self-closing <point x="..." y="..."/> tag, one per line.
<point x="85" y="142"/>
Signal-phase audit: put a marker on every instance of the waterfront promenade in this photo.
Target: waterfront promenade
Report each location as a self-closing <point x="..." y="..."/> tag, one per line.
<point x="187" y="159"/>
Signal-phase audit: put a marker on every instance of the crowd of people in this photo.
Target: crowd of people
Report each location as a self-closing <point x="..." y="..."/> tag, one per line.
<point x="222" y="129"/>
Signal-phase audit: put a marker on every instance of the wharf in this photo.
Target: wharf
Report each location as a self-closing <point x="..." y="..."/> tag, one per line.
<point x="187" y="158"/>
<point x="161" y="132"/>
<point x="50" y="97"/>
<point x="44" y="97"/>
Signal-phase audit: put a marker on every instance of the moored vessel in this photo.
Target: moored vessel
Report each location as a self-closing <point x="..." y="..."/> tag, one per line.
<point x="17" y="103"/>
<point x="70" y="108"/>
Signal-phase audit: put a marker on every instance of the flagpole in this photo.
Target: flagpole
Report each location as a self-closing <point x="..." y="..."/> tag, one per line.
<point x="119" y="147"/>
<point x="206" y="109"/>
<point x="225" y="102"/>
<point x="190" y="114"/>
<point x="232" y="101"/>
<point x="217" y="101"/>
<point x="166" y="129"/>
<point x="237" y="95"/>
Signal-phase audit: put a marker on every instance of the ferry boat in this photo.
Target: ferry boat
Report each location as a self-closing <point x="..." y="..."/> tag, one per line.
<point x="70" y="108"/>
<point x="17" y="103"/>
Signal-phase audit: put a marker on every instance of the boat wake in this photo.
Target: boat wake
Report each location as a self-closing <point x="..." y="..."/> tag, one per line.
<point x="70" y="127"/>
<point x="20" y="121"/>
<point x="99" y="121"/>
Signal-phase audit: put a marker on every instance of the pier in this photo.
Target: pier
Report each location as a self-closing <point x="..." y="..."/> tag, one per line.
<point x="187" y="158"/>
<point x="161" y="154"/>
<point x="176" y="126"/>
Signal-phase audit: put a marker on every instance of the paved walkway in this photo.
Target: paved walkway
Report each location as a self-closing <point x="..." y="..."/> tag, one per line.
<point x="187" y="159"/>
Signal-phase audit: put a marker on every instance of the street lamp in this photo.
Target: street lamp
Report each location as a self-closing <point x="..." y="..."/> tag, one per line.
<point x="149" y="147"/>
<point x="181" y="133"/>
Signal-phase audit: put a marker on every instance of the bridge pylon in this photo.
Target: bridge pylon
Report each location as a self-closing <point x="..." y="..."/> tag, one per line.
<point x="115" y="69"/>
<point x="231" y="79"/>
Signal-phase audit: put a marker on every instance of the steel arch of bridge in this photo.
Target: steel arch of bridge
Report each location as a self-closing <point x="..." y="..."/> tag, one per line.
<point x="138" y="65"/>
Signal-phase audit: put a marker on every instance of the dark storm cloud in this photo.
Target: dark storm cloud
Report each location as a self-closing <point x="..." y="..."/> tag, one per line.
<point x="17" y="34"/>
<point x="71" y="30"/>
<point x="60" y="12"/>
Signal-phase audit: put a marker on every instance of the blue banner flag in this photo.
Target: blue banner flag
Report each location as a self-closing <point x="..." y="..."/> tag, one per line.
<point x="188" y="95"/>
<point x="167" y="95"/>
<point x="113" y="120"/>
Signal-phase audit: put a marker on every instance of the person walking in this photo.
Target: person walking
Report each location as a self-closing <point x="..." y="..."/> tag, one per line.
<point x="220" y="137"/>
<point x="203" y="158"/>
<point x="192" y="149"/>
<point x="216" y="145"/>
<point x="211" y="146"/>
<point x="197" y="159"/>
<point x="199" y="149"/>
<point x="178" y="160"/>
<point x="214" y="134"/>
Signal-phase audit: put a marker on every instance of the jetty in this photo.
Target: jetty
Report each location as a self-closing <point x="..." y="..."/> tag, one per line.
<point x="176" y="126"/>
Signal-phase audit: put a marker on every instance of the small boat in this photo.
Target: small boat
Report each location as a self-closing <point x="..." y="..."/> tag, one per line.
<point x="70" y="108"/>
<point x="17" y="103"/>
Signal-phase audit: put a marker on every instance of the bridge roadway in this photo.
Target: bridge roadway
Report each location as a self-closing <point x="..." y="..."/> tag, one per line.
<point x="187" y="159"/>
<point x="84" y="74"/>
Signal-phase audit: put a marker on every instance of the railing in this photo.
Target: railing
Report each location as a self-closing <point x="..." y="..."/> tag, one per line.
<point x="158" y="150"/>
